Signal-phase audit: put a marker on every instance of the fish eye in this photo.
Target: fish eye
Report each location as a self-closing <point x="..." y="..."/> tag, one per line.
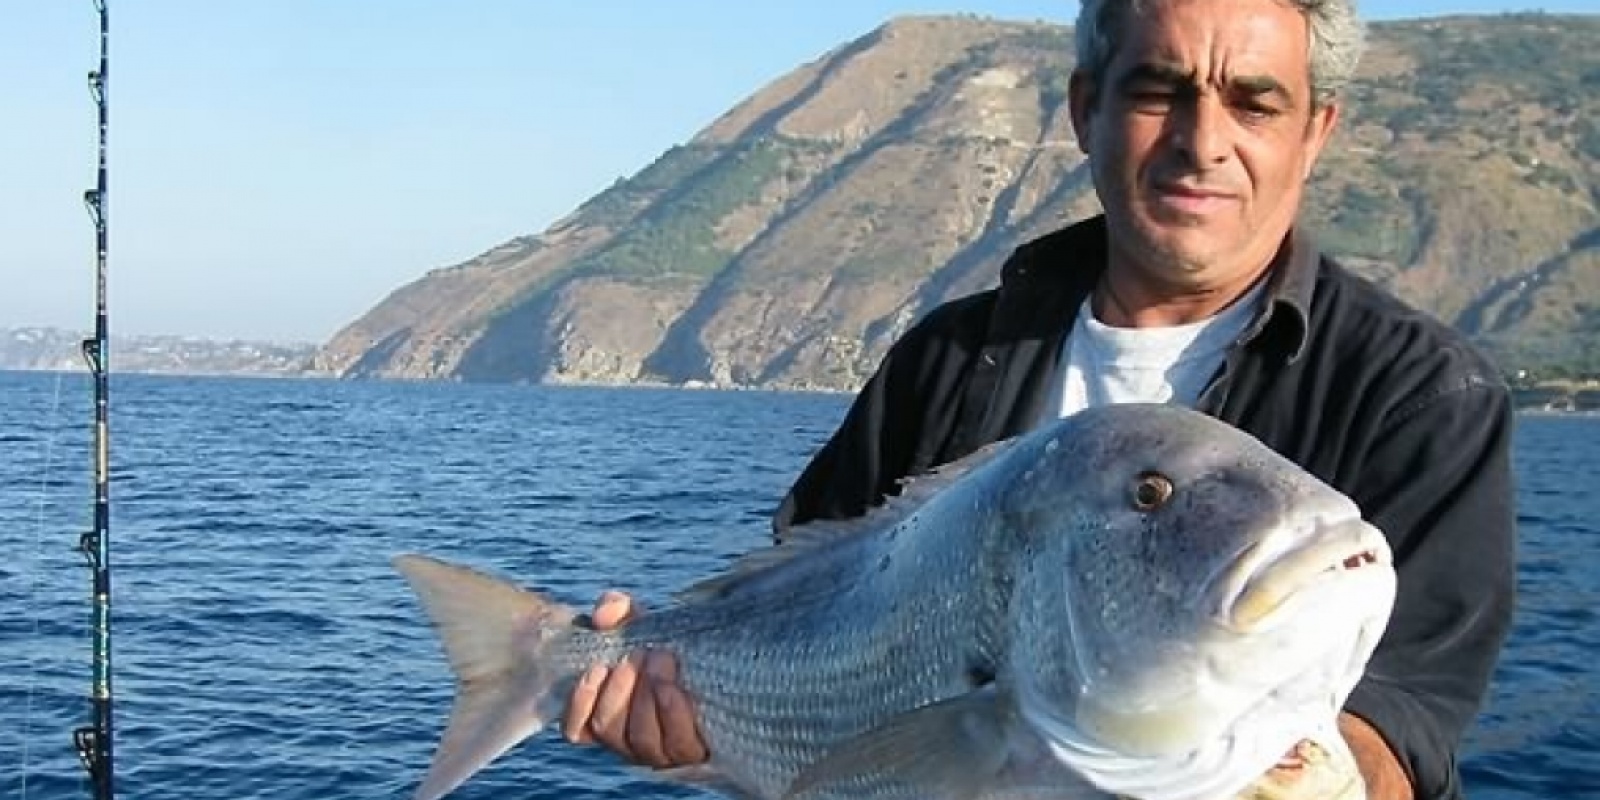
<point x="1151" y="491"/>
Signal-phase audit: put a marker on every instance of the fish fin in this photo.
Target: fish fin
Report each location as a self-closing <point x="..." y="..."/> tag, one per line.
<point x="745" y="569"/>
<point x="916" y="489"/>
<point x="494" y="635"/>
<point x="950" y="750"/>
<point x="824" y="533"/>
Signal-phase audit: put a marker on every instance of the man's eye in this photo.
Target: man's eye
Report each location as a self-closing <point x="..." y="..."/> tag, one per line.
<point x="1253" y="110"/>
<point x="1258" y="113"/>
<point x="1151" y="98"/>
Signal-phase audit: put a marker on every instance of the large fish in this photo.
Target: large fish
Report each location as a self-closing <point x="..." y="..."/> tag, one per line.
<point x="1137" y="600"/>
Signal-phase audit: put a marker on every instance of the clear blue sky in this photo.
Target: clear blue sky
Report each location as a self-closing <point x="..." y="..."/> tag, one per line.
<point x="279" y="166"/>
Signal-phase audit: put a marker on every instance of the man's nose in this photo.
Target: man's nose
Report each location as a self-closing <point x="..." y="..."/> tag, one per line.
<point x="1201" y="131"/>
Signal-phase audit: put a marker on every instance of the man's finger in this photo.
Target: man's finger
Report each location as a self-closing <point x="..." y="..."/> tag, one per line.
<point x="644" y="728"/>
<point x="612" y="609"/>
<point x="680" y="731"/>
<point x="575" y="723"/>
<point x="609" y="721"/>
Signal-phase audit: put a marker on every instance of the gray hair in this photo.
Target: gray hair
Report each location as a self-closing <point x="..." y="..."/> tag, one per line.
<point x="1337" y="40"/>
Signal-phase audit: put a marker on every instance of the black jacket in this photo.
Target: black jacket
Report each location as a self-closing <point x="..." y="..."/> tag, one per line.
<point x="1381" y="401"/>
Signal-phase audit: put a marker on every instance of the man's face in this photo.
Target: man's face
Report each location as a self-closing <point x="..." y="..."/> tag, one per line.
<point x="1200" y="136"/>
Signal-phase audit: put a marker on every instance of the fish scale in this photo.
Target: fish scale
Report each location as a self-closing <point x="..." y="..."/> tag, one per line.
<point x="766" y="724"/>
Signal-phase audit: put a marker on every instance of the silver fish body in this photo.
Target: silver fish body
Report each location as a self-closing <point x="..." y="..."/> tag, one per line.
<point x="1111" y="603"/>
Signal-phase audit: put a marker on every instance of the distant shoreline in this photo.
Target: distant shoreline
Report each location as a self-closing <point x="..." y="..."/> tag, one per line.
<point x="1570" y="401"/>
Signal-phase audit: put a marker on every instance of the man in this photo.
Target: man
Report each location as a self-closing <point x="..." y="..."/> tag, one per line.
<point x="1201" y="120"/>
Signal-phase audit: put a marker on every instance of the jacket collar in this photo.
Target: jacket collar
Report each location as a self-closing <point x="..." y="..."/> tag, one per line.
<point x="1046" y="280"/>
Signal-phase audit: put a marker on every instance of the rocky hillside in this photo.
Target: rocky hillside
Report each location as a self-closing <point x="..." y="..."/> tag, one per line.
<point x="795" y="237"/>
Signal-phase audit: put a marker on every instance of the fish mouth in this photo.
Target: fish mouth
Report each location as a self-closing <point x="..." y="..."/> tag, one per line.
<point x="1264" y="578"/>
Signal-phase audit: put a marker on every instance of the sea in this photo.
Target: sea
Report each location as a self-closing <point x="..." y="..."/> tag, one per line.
<point x="264" y="647"/>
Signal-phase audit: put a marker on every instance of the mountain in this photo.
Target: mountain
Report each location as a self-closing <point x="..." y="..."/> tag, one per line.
<point x="790" y="241"/>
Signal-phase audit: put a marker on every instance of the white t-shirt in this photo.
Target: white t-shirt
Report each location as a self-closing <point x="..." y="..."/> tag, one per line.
<point x="1102" y="364"/>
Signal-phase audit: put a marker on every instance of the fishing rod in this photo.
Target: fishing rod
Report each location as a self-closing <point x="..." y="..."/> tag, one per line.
<point x="94" y="740"/>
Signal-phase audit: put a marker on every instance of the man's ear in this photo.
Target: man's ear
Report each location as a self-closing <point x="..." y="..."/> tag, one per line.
<point x="1082" y="95"/>
<point x="1319" y="129"/>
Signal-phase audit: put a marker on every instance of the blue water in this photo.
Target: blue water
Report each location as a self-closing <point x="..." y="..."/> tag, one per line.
<point x="265" y="649"/>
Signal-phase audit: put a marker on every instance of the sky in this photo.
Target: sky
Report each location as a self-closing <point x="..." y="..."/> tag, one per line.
<point x="277" y="167"/>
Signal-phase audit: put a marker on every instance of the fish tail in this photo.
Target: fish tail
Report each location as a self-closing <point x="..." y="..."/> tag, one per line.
<point x="498" y="639"/>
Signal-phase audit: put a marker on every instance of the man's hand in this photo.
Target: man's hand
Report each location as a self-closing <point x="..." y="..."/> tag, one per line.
<point x="636" y="708"/>
<point x="1308" y="772"/>
<point x="1386" y="779"/>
